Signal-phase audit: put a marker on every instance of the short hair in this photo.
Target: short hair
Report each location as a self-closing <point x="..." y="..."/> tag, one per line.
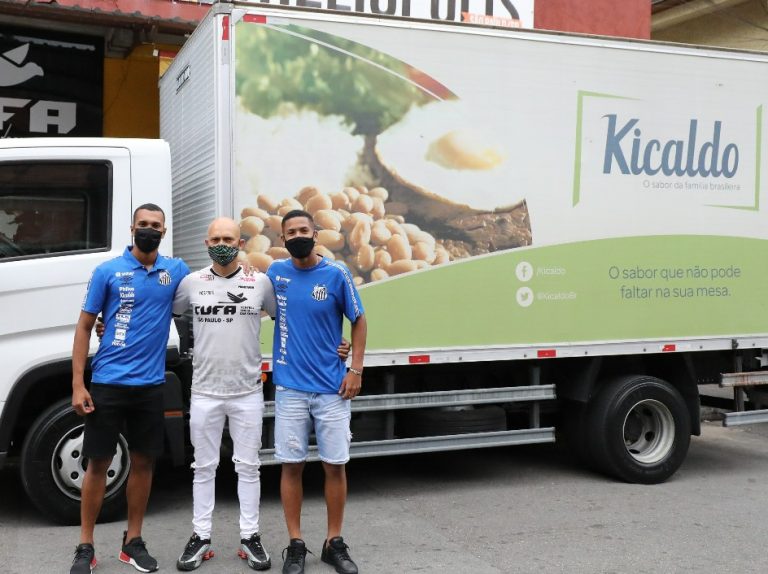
<point x="297" y="213"/>
<point x="148" y="207"/>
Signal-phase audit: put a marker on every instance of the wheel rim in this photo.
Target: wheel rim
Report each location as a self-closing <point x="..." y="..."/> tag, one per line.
<point x="649" y="431"/>
<point x="68" y="465"/>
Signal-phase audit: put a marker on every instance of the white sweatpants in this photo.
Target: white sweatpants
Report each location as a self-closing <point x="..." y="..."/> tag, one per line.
<point x="206" y="424"/>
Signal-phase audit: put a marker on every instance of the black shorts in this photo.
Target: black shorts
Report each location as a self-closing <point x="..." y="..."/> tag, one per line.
<point x="137" y="412"/>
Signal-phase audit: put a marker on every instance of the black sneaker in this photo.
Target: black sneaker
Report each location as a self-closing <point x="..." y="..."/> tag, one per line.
<point x="293" y="557"/>
<point x="252" y="550"/>
<point x="135" y="553"/>
<point x="335" y="553"/>
<point x="85" y="559"/>
<point x="194" y="553"/>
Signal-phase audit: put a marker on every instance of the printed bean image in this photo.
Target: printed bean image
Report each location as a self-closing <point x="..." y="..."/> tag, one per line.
<point x="356" y="225"/>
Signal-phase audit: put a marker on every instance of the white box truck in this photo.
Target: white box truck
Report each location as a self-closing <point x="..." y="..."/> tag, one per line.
<point x="554" y="236"/>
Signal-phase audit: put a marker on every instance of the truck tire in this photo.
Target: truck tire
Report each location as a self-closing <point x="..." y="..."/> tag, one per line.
<point x="439" y="422"/>
<point x="638" y="429"/>
<point x="53" y="467"/>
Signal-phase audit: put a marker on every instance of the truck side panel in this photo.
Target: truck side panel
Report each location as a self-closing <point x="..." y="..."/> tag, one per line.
<point x="507" y="190"/>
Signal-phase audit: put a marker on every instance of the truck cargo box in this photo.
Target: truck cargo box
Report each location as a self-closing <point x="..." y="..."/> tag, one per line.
<point x="490" y="189"/>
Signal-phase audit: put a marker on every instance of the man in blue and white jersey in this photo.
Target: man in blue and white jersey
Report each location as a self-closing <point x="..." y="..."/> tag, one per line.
<point x="312" y="385"/>
<point x="134" y="293"/>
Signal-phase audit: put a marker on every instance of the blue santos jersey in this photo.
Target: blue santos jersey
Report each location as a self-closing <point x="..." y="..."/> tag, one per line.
<point x="136" y="305"/>
<point x="311" y="305"/>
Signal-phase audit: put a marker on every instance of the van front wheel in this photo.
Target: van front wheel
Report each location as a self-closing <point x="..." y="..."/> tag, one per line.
<point x="53" y="467"/>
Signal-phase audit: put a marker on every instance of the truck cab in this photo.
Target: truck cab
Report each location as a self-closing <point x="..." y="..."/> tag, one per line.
<point x="65" y="207"/>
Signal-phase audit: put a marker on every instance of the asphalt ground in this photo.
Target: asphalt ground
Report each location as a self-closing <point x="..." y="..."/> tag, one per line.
<point x="519" y="509"/>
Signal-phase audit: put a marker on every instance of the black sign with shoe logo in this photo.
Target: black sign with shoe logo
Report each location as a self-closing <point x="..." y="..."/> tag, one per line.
<point x="50" y="84"/>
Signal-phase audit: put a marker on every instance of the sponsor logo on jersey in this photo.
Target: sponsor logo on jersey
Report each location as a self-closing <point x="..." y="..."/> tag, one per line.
<point x="215" y="309"/>
<point x="206" y="292"/>
<point x="235" y="298"/>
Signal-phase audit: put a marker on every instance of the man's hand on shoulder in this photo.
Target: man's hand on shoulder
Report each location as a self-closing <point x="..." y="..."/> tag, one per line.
<point x="247" y="268"/>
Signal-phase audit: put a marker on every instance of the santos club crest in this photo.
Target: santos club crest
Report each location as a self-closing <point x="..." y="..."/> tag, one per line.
<point x="320" y="293"/>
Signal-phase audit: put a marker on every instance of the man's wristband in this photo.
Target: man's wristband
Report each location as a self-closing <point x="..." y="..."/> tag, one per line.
<point x="355" y="371"/>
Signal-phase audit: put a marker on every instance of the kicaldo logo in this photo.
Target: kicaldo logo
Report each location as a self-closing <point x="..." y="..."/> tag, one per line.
<point x="690" y="155"/>
<point x="659" y="153"/>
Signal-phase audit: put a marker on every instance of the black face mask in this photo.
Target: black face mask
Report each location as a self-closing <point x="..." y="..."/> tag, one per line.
<point x="147" y="239"/>
<point x="300" y="247"/>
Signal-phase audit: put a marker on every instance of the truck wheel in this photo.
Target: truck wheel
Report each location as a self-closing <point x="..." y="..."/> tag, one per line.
<point x="639" y="429"/>
<point x="53" y="467"/>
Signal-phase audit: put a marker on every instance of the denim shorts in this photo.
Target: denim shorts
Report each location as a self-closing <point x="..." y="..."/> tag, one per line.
<point x="295" y="412"/>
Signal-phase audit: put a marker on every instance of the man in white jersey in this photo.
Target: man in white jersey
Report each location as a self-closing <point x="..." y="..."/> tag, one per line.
<point x="226" y="305"/>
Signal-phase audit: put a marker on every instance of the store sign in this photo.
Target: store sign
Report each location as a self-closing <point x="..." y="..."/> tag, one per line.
<point x="510" y="13"/>
<point x="50" y="85"/>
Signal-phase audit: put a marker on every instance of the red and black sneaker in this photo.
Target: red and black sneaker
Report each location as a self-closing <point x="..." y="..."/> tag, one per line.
<point x="85" y="559"/>
<point x="135" y="553"/>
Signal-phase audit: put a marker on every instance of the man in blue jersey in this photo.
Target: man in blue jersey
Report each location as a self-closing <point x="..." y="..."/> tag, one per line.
<point x="134" y="293"/>
<point x="312" y="385"/>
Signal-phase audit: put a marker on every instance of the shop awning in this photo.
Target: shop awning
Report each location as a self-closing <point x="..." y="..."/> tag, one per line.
<point x="162" y="14"/>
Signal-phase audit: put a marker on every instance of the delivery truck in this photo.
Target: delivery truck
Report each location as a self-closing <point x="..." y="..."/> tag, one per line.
<point x="555" y="237"/>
